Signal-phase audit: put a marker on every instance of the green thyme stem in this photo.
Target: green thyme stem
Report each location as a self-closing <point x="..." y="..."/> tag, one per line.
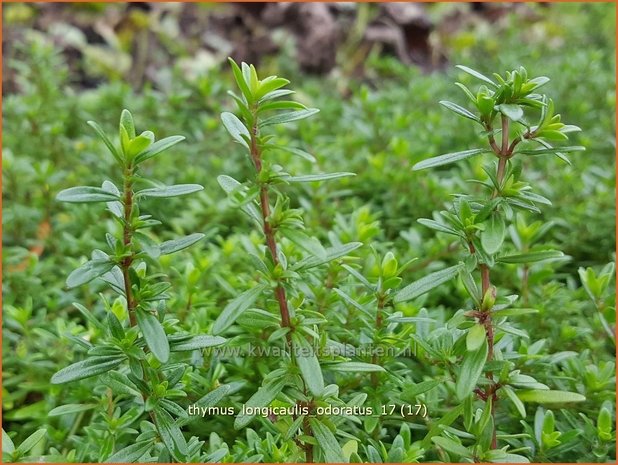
<point x="127" y="236"/>
<point x="505" y="136"/>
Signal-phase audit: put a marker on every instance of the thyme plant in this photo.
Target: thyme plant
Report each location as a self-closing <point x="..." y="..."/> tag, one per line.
<point x="285" y="263"/>
<point x="133" y="349"/>
<point x="517" y="123"/>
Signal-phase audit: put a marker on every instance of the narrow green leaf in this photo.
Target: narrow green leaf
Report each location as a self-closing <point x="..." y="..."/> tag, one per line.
<point x="466" y="91"/>
<point x="409" y="319"/>
<point x="250" y="78"/>
<point x="438" y="226"/>
<point x="209" y="400"/>
<point x="575" y="148"/>
<point x="126" y="121"/>
<point x="327" y="442"/>
<point x="319" y="177"/>
<point x="120" y="383"/>
<point x="88" y="271"/>
<point x="281" y="105"/>
<point x="308" y="364"/>
<point x="292" y="150"/>
<point x="236" y="128"/>
<point x="459" y="110"/>
<point x="470" y="284"/>
<point x="493" y="235"/>
<point x="451" y="446"/>
<point x="308" y="244"/>
<point x="154" y="335"/>
<point x="352" y="302"/>
<point x="262" y="398"/>
<point x="31" y="441"/>
<point x="515" y="400"/>
<point x="198" y="342"/>
<point x="7" y="444"/>
<point x="332" y="253"/>
<point x="240" y="81"/>
<point x="171" y="435"/>
<point x="86" y="368"/>
<point x="270" y="84"/>
<point x="170" y="191"/>
<point x="229" y="185"/>
<point x="276" y="94"/>
<point x="513" y="312"/>
<point x="94" y="125"/>
<point x="538" y="81"/>
<point x="69" y="409"/>
<point x="544" y="396"/>
<point x="124" y="141"/>
<point x="437" y="427"/>
<point x="425" y="386"/>
<point x="157" y="147"/>
<point x="115" y="327"/>
<point x="475" y="337"/>
<point x="531" y="257"/>
<point x="446" y="159"/>
<point x="236" y="307"/>
<point x="427" y="283"/>
<point x="176" y="245"/>
<point x="86" y="194"/>
<point x="289" y="116"/>
<point x="360" y="277"/>
<point x="477" y="75"/>
<point x="88" y="315"/>
<point x="512" y="458"/>
<point x="552" y="135"/>
<point x="174" y="409"/>
<point x="214" y="397"/>
<point x="510" y="110"/>
<point x="355" y="367"/>
<point x="131" y="454"/>
<point x="471" y="370"/>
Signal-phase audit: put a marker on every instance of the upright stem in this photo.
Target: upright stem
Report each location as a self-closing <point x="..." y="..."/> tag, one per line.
<point x="269" y="232"/>
<point x="500" y="173"/>
<point x="505" y="136"/>
<point x="127" y="236"/>
<point x="503" y="153"/>
<point x="485" y="280"/>
<point x="271" y="242"/>
<point x="125" y="265"/>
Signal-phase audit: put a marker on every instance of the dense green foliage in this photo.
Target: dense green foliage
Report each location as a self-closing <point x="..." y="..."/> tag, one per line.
<point x="405" y="290"/>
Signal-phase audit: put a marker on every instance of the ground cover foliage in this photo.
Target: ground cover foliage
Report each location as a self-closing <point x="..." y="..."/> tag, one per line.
<point x="389" y="306"/>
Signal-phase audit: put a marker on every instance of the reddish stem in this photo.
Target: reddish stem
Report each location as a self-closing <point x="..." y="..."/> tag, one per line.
<point x="269" y="232"/>
<point x="485" y="282"/>
<point x="493" y="144"/>
<point x="271" y="242"/>
<point x="503" y="153"/>
<point x="127" y="236"/>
